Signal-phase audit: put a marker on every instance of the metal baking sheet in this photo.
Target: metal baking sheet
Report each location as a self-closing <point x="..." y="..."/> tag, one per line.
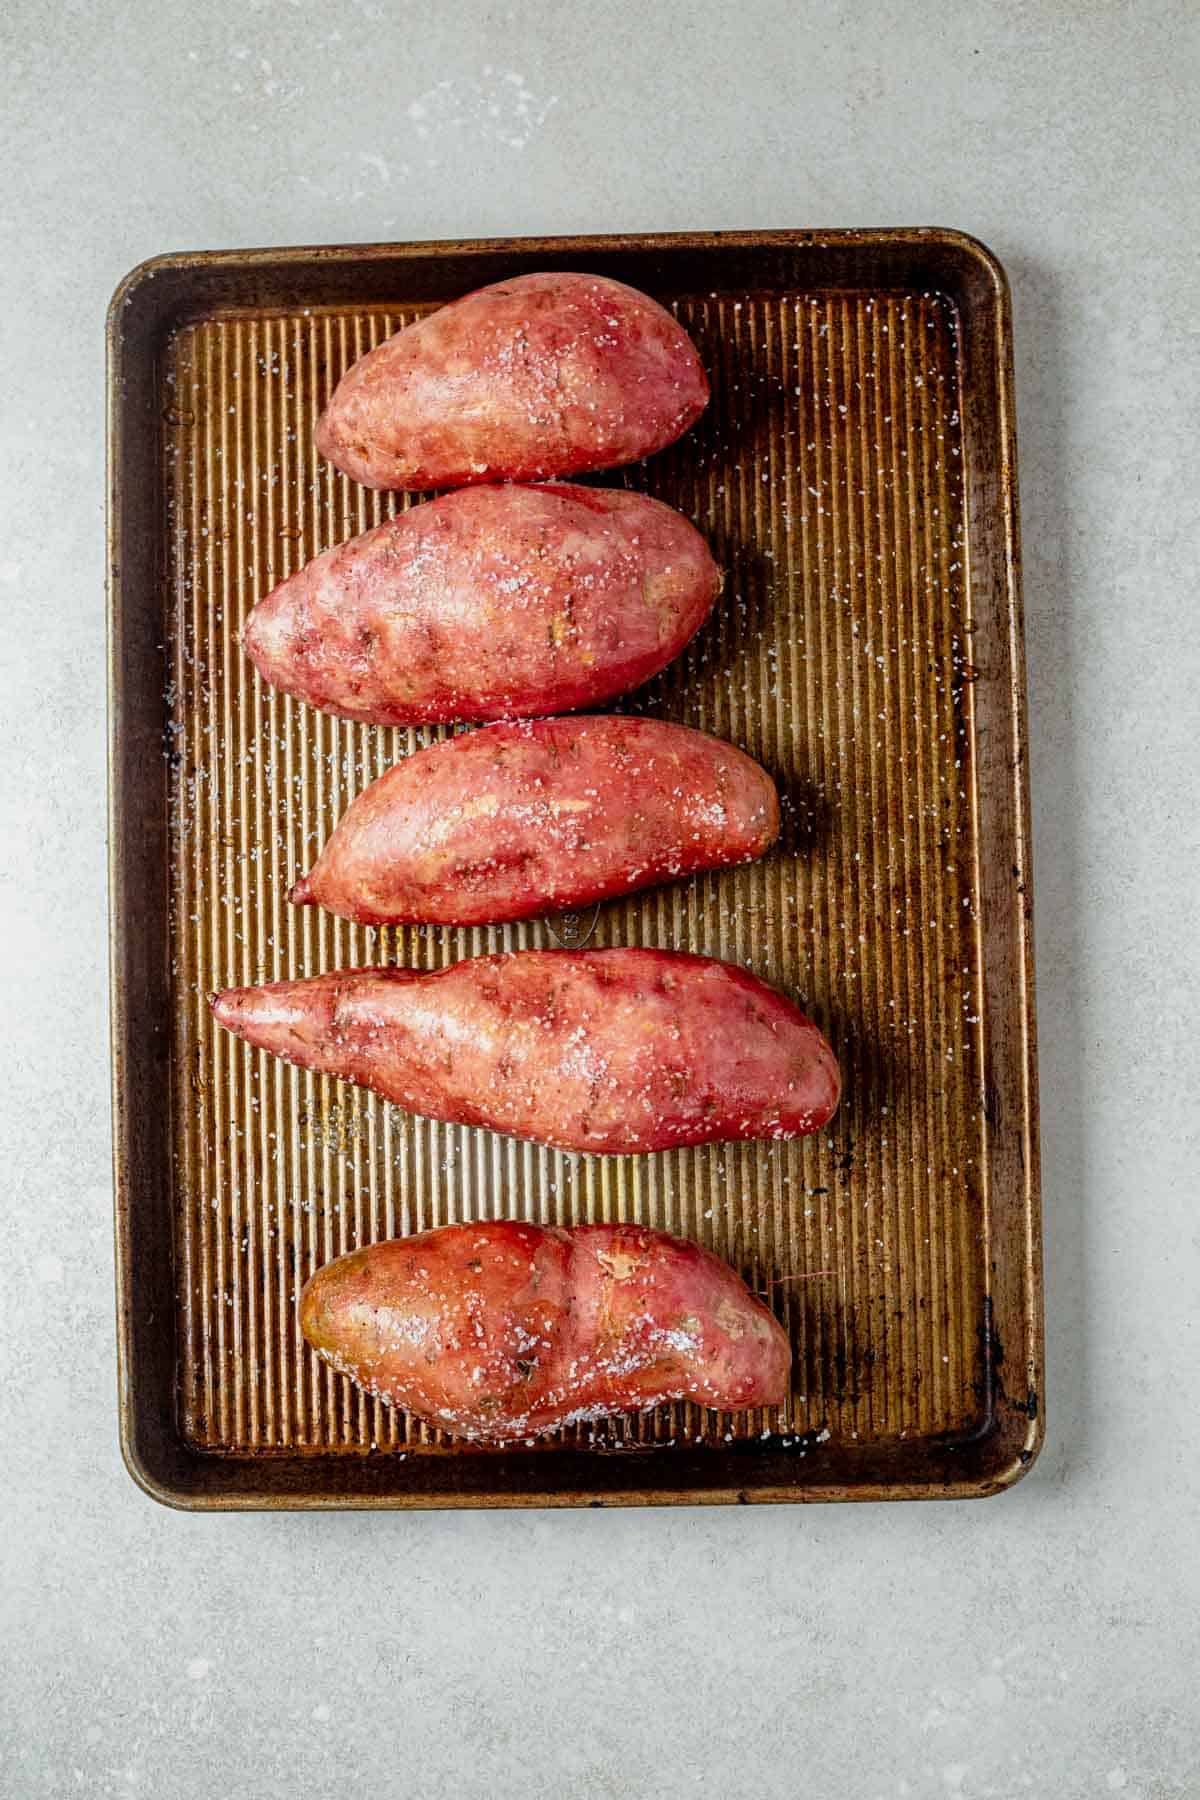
<point x="855" y="475"/>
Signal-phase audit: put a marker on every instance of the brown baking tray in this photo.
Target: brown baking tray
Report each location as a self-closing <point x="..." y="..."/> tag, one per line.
<point x="856" y="476"/>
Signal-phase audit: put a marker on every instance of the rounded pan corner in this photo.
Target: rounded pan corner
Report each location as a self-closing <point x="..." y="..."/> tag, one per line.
<point x="132" y="285"/>
<point x="162" y="1485"/>
<point x="1016" y="1459"/>
<point x="973" y="254"/>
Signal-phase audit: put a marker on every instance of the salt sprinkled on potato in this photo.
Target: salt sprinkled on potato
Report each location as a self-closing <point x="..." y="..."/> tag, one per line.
<point x="613" y="1051"/>
<point x="517" y="820"/>
<point x="500" y="1331"/>
<point x="540" y="376"/>
<point x="493" y="603"/>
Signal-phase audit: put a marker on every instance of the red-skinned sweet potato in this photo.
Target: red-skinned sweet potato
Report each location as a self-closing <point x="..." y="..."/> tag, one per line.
<point x="500" y="1331"/>
<point x="492" y="603"/>
<point x="543" y="375"/>
<point x="603" y="1050"/>
<point x="513" y="820"/>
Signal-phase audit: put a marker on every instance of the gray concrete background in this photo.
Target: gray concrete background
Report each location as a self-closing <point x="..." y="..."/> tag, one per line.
<point x="1045" y="1643"/>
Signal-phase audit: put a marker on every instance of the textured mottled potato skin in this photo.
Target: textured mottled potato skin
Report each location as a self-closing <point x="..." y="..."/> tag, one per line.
<point x="540" y="376"/>
<point x="492" y="603"/>
<point x="513" y="820"/>
<point x="604" y="1050"/>
<point x="500" y="1331"/>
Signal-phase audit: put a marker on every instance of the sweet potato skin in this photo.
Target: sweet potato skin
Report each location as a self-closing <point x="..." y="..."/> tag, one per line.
<point x="500" y="1331"/>
<point x="614" y="1051"/>
<point x="541" y="376"/>
<point x="492" y="603"/>
<point x="517" y="819"/>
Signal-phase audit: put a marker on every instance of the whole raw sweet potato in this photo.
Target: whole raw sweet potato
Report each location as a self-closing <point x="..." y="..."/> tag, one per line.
<point x="603" y="1050"/>
<point x="500" y="1331"/>
<point x="512" y="820"/>
<point x="539" y="376"/>
<point x="493" y="603"/>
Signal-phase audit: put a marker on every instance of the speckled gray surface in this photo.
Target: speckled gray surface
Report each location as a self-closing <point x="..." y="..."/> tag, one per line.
<point x="1044" y="1643"/>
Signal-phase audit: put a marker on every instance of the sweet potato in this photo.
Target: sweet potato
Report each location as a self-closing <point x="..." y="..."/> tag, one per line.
<point x="493" y="603"/>
<point x="512" y="820"/>
<point x="500" y="1331"/>
<point x="540" y="376"/>
<point x="603" y="1050"/>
